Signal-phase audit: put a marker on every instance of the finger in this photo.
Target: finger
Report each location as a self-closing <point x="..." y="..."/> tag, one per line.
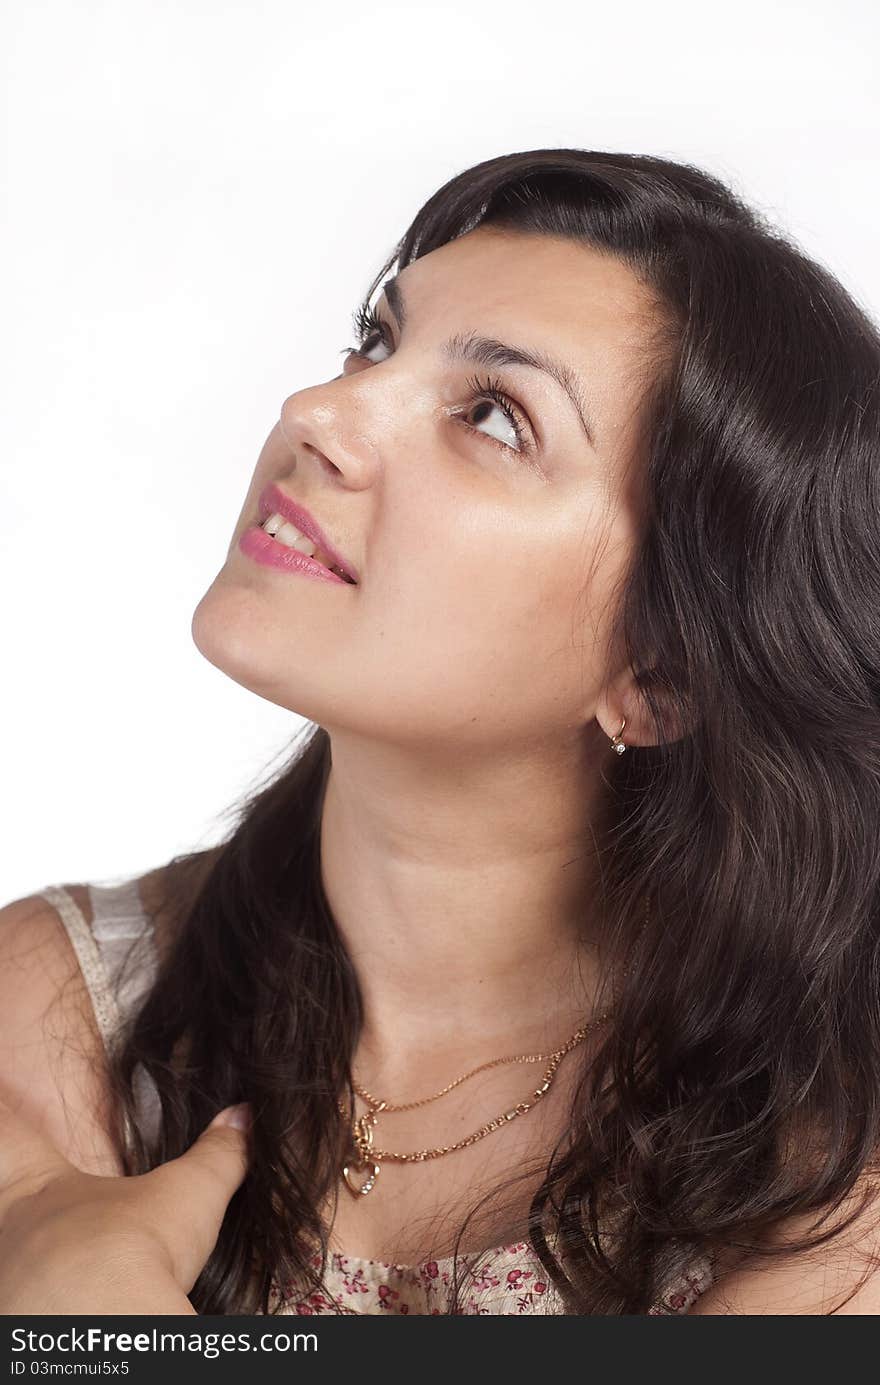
<point x="221" y="1152"/>
<point x="28" y="1158"/>
<point x="190" y="1193"/>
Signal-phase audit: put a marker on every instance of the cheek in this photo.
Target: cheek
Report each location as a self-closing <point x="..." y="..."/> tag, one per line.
<point x="506" y="618"/>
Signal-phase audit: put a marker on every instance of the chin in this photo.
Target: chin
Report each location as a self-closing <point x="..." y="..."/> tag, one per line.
<point x="227" y="629"/>
<point x="230" y="629"/>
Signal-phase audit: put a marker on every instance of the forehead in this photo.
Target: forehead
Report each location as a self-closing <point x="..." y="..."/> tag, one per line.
<point x="556" y="289"/>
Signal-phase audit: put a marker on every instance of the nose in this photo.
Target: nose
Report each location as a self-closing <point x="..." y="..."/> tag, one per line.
<point x="323" y="421"/>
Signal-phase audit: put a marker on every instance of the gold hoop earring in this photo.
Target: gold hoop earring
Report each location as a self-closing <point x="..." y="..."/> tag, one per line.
<point x="616" y="741"/>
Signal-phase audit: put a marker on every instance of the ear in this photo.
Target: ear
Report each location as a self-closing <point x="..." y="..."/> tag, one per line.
<point x="624" y="698"/>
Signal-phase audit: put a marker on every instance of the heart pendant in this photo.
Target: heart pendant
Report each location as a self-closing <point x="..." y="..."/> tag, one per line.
<point x="368" y="1182"/>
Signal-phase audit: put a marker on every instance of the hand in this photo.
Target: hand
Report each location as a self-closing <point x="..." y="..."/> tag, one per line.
<point x="79" y="1243"/>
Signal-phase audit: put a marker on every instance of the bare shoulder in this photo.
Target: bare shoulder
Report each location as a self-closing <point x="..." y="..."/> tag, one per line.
<point x="841" y="1276"/>
<point x="51" y="1051"/>
<point x="52" y="1056"/>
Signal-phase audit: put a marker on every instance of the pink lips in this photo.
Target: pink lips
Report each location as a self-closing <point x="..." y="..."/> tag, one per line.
<point x="274" y="501"/>
<point x="262" y="548"/>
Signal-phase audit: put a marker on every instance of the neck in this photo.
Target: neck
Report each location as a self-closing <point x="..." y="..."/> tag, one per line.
<point x="463" y="894"/>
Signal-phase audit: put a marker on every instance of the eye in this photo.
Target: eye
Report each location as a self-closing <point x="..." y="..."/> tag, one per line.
<point x="486" y="395"/>
<point x="368" y="325"/>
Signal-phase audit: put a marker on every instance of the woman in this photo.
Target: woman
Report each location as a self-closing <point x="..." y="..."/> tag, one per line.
<point x="574" y="572"/>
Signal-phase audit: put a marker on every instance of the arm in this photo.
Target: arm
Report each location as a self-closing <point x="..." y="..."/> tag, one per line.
<point x="75" y="1236"/>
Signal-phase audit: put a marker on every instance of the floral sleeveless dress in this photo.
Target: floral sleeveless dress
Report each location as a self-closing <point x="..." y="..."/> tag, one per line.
<point x="508" y="1279"/>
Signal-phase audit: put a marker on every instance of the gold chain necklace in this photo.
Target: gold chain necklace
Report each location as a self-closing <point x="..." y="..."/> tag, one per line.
<point x="363" y="1158"/>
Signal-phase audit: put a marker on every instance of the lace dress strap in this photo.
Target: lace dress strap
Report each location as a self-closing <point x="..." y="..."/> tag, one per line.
<point x="118" y="958"/>
<point x="91" y="962"/>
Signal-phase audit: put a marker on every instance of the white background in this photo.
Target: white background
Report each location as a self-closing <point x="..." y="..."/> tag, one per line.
<point x="196" y="196"/>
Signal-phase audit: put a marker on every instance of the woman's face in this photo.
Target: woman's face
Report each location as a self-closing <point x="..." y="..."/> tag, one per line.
<point x="488" y="551"/>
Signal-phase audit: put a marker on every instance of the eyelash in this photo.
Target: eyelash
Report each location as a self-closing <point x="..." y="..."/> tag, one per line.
<point x="367" y="323"/>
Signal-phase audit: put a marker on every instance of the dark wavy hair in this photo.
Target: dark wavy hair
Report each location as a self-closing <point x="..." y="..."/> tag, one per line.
<point x="737" y="1084"/>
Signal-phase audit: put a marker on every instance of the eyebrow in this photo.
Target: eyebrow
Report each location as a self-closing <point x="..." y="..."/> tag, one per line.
<point x="489" y="351"/>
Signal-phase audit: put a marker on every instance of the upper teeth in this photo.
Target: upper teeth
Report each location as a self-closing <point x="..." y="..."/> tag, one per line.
<point x="285" y="533"/>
